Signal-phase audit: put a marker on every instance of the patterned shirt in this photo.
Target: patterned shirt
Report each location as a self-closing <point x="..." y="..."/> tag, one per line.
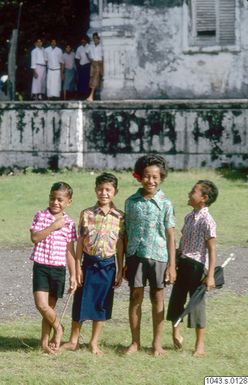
<point x="52" y="250"/>
<point x="101" y="231"/>
<point x="198" y="228"/>
<point x="146" y="222"/>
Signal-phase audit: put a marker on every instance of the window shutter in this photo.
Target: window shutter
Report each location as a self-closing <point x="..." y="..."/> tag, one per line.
<point x="226" y="22"/>
<point x="205" y="16"/>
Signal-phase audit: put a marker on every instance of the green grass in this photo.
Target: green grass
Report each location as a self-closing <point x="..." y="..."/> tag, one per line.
<point x="23" y="194"/>
<point x="226" y="346"/>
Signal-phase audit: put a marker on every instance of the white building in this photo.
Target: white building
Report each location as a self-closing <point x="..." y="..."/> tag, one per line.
<point x="156" y="49"/>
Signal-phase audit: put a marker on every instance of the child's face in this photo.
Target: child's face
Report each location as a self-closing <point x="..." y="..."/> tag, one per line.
<point x="196" y="199"/>
<point x="58" y="201"/>
<point x="151" y="179"/>
<point x="105" y="193"/>
<point x="68" y="49"/>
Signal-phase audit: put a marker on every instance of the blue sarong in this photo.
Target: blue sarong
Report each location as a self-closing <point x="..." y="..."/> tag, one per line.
<point x="94" y="300"/>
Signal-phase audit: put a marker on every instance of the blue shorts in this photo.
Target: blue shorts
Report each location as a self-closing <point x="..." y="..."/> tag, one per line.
<point x="94" y="300"/>
<point x="49" y="278"/>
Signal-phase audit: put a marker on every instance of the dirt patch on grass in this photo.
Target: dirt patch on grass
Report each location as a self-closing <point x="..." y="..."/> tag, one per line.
<point x="16" y="281"/>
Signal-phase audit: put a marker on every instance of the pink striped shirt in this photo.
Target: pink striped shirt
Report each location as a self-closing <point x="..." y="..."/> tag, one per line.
<point x="52" y="250"/>
<point x="199" y="227"/>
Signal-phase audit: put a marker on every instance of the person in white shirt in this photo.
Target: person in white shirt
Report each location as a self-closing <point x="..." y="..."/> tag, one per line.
<point x="83" y="65"/>
<point x="96" y="69"/>
<point x="69" y="70"/>
<point x="38" y="65"/>
<point x="53" y="56"/>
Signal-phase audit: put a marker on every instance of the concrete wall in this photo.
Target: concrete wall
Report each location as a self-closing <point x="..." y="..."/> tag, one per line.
<point x="112" y="135"/>
<point x="40" y="135"/>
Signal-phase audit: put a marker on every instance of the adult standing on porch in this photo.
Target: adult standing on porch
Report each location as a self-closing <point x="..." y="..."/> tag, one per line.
<point x="54" y="69"/>
<point x="83" y="65"/>
<point x="96" y="70"/>
<point x="38" y="65"/>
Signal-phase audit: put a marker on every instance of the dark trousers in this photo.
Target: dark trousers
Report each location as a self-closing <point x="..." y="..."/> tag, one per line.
<point x="189" y="276"/>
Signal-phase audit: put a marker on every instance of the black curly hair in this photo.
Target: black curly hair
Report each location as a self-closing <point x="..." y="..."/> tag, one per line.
<point x="62" y="186"/>
<point x="107" y="177"/>
<point x="151" y="160"/>
<point x="208" y="188"/>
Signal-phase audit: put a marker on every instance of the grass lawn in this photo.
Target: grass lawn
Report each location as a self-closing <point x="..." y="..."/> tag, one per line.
<point x="22" y="195"/>
<point x="226" y="346"/>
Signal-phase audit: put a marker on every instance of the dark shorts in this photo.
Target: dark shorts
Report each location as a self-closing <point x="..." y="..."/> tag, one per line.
<point x="141" y="270"/>
<point x="189" y="276"/>
<point x="49" y="278"/>
<point x="94" y="300"/>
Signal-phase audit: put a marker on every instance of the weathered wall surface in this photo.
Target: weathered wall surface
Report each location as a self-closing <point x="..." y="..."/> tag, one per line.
<point x="191" y="134"/>
<point x="148" y="54"/>
<point x="41" y="134"/>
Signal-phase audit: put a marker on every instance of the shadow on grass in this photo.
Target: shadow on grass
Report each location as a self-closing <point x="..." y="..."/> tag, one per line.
<point x="234" y="174"/>
<point x="121" y="349"/>
<point x="14" y="343"/>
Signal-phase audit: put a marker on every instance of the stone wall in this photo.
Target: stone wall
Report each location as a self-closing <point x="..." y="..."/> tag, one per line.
<point x="191" y="134"/>
<point x="40" y="135"/>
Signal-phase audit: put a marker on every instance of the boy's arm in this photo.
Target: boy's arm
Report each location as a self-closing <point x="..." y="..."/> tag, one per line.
<point x="119" y="257"/>
<point x="211" y="245"/>
<point x="124" y="269"/>
<point x="37" y="236"/>
<point x="79" y="253"/>
<point x="71" y="266"/>
<point x="170" y="274"/>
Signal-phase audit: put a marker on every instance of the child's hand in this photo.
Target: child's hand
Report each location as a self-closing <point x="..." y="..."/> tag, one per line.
<point x="79" y="277"/>
<point x="209" y="282"/>
<point x="72" y="285"/>
<point x="170" y="274"/>
<point x="124" y="273"/>
<point x="59" y="223"/>
<point x="118" y="280"/>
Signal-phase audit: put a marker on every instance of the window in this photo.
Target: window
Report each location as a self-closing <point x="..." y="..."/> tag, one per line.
<point x="211" y="23"/>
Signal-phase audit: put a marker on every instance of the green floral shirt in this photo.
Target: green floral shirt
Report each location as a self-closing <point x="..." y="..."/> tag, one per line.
<point x="146" y="222"/>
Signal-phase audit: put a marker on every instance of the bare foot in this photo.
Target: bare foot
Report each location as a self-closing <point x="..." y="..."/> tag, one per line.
<point x="178" y="342"/>
<point x="57" y="336"/>
<point x="46" y="349"/>
<point x="158" y="351"/>
<point x="133" y="348"/>
<point x="199" y="350"/>
<point x="198" y="353"/>
<point x="89" y="99"/>
<point x="69" y="346"/>
<point x="94" y="349"/>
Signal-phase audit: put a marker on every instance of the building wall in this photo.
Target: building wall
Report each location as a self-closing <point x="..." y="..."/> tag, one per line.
<point x="191" y="134"/>
<point x="149" y="55"/>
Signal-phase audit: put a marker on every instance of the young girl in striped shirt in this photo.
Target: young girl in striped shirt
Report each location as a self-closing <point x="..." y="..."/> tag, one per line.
<point x="53" y="234"/>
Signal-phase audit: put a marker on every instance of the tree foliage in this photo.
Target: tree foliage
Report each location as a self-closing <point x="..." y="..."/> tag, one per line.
<point x="64" y="20"/>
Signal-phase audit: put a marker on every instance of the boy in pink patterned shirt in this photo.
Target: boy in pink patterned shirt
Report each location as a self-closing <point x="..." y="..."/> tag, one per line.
<point x="197" y="251"/>
<point x="53" y="234"/>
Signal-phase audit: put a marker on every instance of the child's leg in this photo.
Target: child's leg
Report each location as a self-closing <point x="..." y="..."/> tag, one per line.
<point x="199" y="344"/>
<point x="136" y="299"/>
<point x="157" y="300"/>
<point x="42" y="302"/>
<point x="177" y="338"/>
<point x="73" y="344"/>
<point x="96" y="330"/>
<point x="46" y="328"/>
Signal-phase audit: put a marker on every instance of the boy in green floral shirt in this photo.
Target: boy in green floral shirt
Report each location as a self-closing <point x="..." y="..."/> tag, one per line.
<point x="150" y="247"/>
